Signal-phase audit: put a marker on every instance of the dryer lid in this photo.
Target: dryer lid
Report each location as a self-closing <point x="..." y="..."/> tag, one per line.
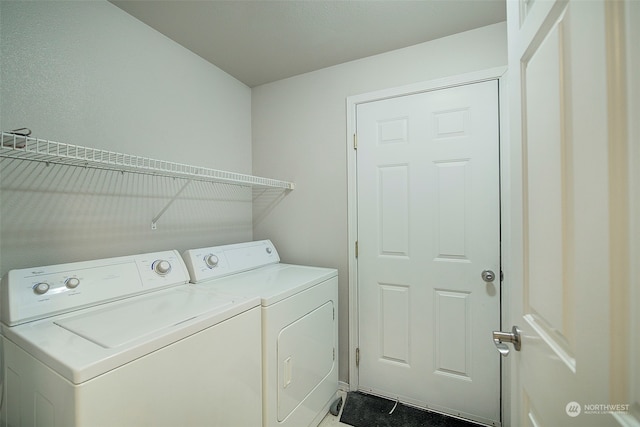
<point x="272" y="283"/>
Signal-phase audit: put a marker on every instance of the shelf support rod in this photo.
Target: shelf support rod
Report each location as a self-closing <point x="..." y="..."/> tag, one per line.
<point x="154" y="221"/>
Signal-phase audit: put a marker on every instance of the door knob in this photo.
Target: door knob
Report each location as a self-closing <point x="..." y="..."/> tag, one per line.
<point x="500" y="338"/>
<point x="488" y="276"/>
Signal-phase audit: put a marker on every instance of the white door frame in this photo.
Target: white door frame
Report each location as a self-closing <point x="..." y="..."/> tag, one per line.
<point x="632" y="27"/>
<point x="498" y="73"/>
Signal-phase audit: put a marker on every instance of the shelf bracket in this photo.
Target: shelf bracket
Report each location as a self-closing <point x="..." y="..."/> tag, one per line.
<point x="155" y="219"/>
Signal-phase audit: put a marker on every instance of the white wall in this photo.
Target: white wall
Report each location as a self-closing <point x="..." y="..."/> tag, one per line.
<point x="88" y="73"/>
<point x="299" y="135"/>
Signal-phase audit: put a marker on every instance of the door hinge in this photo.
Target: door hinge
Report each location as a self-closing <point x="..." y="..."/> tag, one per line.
<point x="334" y="353"/>
<point x="355" y="141"/>
<point x="501" y="276"/>
<point x="356" y="249"/>
<point x="358" y="356"/>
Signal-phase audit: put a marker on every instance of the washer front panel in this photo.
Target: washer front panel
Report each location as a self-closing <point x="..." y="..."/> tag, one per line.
<point x="211" y="377"/>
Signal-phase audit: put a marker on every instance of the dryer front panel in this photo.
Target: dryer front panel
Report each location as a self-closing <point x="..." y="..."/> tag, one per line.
<point x="300" y="348"/>
<point x="306" y="356"/>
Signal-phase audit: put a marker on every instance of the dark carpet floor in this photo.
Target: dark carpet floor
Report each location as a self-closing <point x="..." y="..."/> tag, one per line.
<point x="363" y="410"/>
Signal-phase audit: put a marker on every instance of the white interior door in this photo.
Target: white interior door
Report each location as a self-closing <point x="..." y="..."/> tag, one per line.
<point x="570" y="274"/>
<point x="428" y="225"/>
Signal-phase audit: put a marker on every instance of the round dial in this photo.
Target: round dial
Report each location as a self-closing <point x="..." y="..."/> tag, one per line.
<point x="72" y="282"/>
<point x="162" y="267"/>
<point x="211" y="260"/>
<point x="41" y="288"/>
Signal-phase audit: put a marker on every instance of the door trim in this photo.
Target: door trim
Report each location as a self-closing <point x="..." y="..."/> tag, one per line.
<point x="499" y="74"/>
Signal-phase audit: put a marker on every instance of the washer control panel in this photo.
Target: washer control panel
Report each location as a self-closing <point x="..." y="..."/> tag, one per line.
<point x="34" y="293"/>
<point x="219" y="261"/>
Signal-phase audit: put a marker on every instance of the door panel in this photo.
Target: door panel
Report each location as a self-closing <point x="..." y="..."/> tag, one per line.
<point x="428" y="224"/>
<point x="548" y="191"/>
<point x="562" y="291"/>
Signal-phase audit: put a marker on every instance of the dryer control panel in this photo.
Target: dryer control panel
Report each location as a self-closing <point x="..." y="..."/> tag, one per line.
<point x="219" y="261"/>
<point x="35" y="293"/>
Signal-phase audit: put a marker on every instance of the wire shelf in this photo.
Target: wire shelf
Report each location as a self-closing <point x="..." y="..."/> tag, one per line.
<point x="16" y="146"/>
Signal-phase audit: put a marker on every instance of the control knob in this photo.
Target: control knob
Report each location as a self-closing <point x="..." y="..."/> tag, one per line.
<point x="41" y="288"/>
<point x="72" y="282"/>
<point x="162" y="267"/>
<point x="211" y="260"/>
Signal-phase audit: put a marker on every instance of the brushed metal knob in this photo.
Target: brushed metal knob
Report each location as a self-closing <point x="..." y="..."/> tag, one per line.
<point x="488" y="276"/>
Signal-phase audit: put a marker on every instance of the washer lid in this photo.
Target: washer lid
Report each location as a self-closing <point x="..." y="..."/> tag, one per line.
<point x="85" y="344"/>
<point x="119" y="324"/>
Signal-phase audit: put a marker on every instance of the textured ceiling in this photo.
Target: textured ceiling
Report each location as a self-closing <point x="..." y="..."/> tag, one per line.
<point x="259" y="42"/>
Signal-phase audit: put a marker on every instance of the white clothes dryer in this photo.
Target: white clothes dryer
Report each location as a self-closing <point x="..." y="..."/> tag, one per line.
<point x="127" y="342"/>
<point x="299" y="325"/>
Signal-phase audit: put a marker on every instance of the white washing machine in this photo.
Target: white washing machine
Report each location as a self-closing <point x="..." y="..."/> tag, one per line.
<point x="127" y="342"/>
<point x="299" y="325"/>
